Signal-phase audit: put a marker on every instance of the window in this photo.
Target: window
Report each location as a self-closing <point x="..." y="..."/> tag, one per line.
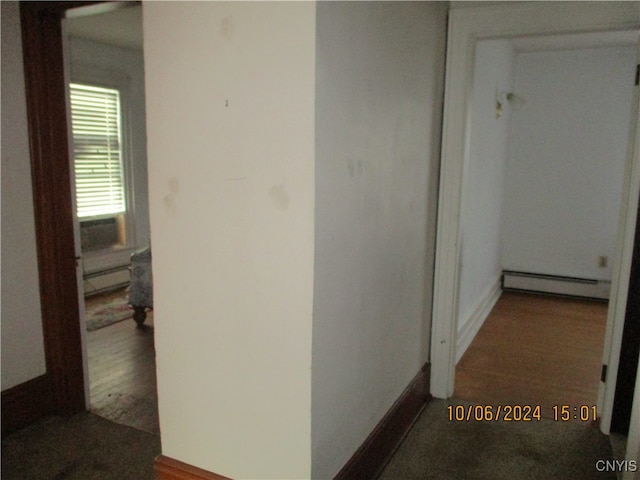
<point x="96" y="124"/>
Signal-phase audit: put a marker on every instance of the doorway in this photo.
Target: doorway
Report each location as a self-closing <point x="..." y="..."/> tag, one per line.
<point x="472" y="24"/>
<point x="543" y="180"/>
<point x="54" y="206"/>
<point x="104" y="68"/>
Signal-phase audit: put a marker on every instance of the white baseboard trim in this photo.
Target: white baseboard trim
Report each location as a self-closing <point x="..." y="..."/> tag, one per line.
<point x="472" y="323"/>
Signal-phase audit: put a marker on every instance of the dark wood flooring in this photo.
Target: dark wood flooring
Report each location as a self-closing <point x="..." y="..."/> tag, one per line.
<point x="535" y="350"/>
<point x="122" y="373"/>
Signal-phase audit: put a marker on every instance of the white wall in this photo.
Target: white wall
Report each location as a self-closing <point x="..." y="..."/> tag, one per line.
<point x="92" y="61"/>
<point x="230" y="123"/>
<point x="484" y="178"/>
<point x="567" y="154"/>
<point x="22" y="341"/>
<point x="380" y="69"/>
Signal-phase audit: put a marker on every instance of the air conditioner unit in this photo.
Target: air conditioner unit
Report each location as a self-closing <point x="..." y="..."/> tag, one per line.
<point x="100" y="234"/>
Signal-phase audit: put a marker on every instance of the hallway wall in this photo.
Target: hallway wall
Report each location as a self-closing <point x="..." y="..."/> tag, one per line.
<point x="22" y="339"/>
<point x="379" y="81"/>
<point x="566" y="160"/>
<point x="484" y="186"/>
<point x="230" y="124"/>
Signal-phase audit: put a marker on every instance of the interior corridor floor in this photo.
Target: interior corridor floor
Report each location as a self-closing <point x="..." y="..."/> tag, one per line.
<point x="535" y="350"/>
<point x="122" y="374"/>
<point x="520" y="356"/>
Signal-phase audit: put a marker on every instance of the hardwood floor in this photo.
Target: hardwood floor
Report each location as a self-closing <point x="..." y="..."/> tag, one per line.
<point x="535" y="350"/>
<point x="122" y="374"/>
<point x="531" y="350"/>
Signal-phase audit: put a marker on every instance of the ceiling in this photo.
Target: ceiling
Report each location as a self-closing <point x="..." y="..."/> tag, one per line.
<point x="120" y="27"/>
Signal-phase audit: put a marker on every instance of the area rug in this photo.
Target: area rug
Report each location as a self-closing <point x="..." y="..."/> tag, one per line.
<point x="104" y="310"/>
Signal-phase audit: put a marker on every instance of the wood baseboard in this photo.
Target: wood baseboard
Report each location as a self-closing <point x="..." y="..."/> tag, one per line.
<point x="369" y="459"/>
<point x="26" y="403"/>
<point x="377" y="449"/>
<point x="170" y="469"/>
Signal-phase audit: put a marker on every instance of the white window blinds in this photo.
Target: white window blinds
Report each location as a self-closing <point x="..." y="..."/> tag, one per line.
<point x="97" y="150"/>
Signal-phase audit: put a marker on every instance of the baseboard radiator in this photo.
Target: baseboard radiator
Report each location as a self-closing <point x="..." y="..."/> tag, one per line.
<point x="106" y="280"/>
<point x="555" y="284"/>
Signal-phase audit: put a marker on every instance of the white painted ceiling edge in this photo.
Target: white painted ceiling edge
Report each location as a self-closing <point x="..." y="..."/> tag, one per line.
<point x="123" y="28"/>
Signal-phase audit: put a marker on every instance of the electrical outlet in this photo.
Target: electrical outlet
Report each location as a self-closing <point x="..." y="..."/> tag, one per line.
<point x="603" y="261"/>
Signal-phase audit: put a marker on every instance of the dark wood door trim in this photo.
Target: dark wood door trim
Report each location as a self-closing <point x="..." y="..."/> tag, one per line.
<point x="48" y="142"/>
<point x="170" y="469"/>
<point x="378" y="448"/>
<point x="25" y="403"/>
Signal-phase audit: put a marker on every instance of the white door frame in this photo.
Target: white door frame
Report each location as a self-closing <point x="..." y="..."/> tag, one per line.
<point x="633" y="441"/>
<point x="466" y="26"/>
<point x="622" y="265"/>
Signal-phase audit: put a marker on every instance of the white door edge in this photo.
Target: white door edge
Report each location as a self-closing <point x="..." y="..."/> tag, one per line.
<point x="66" y="55"/>
<point x="622" y="266"/>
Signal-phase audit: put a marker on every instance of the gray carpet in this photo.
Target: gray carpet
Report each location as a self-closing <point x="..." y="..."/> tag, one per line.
<point x="82" y="447"/>
<point x="439" y="449"/>
<point x="88" y="447"/>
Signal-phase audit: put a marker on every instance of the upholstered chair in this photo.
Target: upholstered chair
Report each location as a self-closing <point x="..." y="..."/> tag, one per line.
<point x="141" y="285"/>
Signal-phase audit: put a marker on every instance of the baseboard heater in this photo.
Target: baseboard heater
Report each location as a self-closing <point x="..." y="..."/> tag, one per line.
<point x="106" y="280"/>
<point x="555" y="284"/>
